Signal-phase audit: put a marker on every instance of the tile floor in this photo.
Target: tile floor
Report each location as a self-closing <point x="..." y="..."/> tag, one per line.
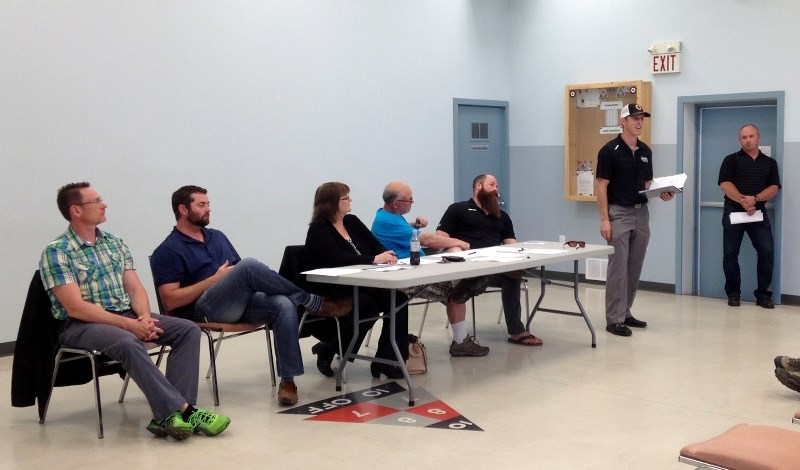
<point x="631" y="403"/>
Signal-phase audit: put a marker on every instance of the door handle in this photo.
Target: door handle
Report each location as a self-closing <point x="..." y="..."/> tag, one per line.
<point x="720" y="205"/>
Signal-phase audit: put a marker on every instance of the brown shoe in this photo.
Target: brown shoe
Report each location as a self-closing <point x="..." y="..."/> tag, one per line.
<point x="287" y="393"/>
<point x="335" y="307"/>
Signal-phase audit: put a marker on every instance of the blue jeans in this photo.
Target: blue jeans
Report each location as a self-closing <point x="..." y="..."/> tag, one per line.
<point x="760" y="234"/>
<point x="253" y="293"/>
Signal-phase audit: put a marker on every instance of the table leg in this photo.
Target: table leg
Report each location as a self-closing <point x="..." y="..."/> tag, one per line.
<point x="400" y="362"/>
<point x="575" y="284"/>
<point x="392" y="329"/>
<point x="347" y="355"/>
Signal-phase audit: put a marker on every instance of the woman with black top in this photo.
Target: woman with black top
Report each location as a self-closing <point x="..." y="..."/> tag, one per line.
<point x="336" y="238"/>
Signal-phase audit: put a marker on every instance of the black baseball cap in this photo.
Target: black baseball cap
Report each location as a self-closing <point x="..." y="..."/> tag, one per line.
<point x="632" y="109"/>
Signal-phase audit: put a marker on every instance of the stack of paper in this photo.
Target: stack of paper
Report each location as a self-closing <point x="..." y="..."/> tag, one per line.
<point x="665" y="184"/>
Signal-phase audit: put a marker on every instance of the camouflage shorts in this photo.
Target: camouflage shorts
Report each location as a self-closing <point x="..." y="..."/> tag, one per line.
<point x="438" y="292"/>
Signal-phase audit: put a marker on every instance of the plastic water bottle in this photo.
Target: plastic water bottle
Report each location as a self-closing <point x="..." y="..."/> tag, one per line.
<point x="414" y="248"/>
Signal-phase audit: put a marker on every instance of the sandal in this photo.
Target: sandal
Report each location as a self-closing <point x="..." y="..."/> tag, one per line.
<point x="527" y="340"/>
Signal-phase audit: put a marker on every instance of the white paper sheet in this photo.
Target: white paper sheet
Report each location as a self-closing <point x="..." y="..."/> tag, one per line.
<point x="422" y="261"/>
<point x="332" y="271"/>
<point x="662" y="184"/>
<point x="527" y="251"/>
<point x="389" y="267"/>
<point x="743" y="218"/>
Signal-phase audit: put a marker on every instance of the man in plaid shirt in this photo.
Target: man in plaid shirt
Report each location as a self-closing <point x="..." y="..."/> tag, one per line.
<point x="91" y="281"/>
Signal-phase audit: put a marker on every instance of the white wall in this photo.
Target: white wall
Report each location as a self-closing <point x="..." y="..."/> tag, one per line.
<point x="729" y="46"/>
<point x="258" y="101"/>
<point x="261" y="101"/>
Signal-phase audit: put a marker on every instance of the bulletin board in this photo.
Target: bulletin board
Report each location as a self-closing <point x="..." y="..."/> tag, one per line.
<point x="592" y="119"/>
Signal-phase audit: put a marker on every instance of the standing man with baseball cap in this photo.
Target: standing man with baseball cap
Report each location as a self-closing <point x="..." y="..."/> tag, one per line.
<point x="625" y="167"/>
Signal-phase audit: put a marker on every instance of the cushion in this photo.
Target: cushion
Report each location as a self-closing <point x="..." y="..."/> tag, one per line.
<point x="749" y="447"/>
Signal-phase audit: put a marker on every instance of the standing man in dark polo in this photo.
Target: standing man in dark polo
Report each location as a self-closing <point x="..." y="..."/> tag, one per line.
<point x="749" y="179"/>
<point x="625" y="167"/>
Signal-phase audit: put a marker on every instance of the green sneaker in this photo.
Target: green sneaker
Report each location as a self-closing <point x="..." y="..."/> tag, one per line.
<point x="173" y="426"/>
<point x="208" y="422"/>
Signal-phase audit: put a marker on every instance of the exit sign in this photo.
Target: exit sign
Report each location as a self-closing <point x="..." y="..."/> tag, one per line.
<point x="665" y="63"/>
<point x="665" y="57"/>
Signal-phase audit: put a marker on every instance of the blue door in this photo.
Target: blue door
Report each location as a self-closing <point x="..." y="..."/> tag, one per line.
<point x="480" y="146"/>
<point x="719" y="136"/>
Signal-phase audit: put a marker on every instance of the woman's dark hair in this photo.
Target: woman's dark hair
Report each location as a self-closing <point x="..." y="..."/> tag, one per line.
<point x="326" y="200"/>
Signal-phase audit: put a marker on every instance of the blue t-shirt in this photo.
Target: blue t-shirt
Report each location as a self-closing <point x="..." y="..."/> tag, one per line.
<point x="394" y="232"/>
<point x="181" y="258"/>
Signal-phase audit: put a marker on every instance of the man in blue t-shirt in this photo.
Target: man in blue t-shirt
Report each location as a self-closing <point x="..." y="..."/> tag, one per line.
<point x="394" y="232"/>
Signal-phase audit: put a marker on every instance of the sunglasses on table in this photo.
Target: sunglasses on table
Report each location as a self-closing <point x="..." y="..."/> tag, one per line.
<point x="575" y="244"/>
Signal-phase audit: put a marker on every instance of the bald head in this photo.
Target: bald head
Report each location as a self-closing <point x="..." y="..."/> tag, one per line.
<point x="397" y="197"/>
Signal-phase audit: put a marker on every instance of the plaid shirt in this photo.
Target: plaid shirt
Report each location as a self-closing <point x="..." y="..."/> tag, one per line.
<point x="97" y="269"/>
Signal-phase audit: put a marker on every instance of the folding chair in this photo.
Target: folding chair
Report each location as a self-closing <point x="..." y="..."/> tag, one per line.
<point x="100" y="365"/>
<point x="233" y="330"/>
<point x="292" y="264"/>
<point x="746" y="447"/>
<point x="38" y="358"/>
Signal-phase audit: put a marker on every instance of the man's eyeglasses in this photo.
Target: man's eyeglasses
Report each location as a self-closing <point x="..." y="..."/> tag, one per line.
<point x="410" y="201"/>
<point x="99" y="200"/>
<point x="575" y="244"/>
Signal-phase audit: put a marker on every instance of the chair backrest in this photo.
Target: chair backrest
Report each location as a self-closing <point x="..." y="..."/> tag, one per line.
<point x="158" y="295"/>
<point x="292" y="264"/>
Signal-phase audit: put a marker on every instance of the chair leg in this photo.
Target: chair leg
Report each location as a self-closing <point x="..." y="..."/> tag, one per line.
<point x="422" y="323"/>
<point x="270" y="355"/>
<point x="474" y="333"/>
<point x="212" y="369"/>
<point x="217" y="345"/>
<point x="341" y="351"/>
<point x="527" y="298"/>
<point x="124" y="387"/>
<point x="97" y="398"/>
<point x="95" y="381"/>
<point x="52" y="385"/>
<point x="474" y="325"/>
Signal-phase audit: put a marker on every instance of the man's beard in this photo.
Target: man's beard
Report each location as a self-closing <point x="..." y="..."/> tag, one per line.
<point x="199" y="220"/>
<point x="490" y="202"/>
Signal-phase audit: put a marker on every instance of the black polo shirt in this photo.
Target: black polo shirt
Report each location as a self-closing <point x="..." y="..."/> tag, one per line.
<point x="468" y="222"/>
<point x="750" y="176"/>
<point x="626" y="171"/>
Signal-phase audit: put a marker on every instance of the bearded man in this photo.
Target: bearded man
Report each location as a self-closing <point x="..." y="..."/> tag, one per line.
<point x="200" y="276"/>
<point x="481" y="223"/>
